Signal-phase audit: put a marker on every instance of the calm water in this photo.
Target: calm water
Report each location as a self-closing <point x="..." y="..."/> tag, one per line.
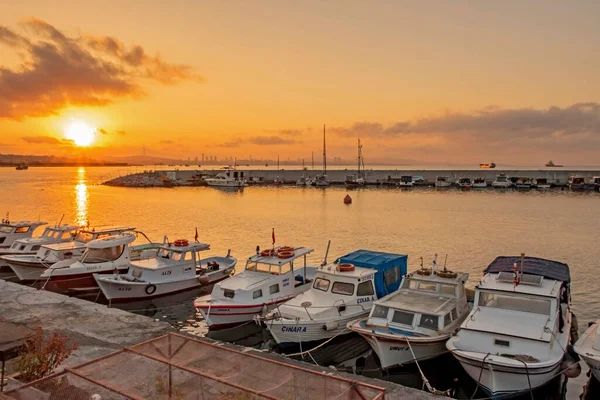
<point x="471" y="227"/>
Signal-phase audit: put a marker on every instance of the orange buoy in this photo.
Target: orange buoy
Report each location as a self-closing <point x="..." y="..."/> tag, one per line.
<point x="347" y="199"/>
<point x="285" y="254"/>
<point x="345" y="267"/>
<point x="181" y="242"/>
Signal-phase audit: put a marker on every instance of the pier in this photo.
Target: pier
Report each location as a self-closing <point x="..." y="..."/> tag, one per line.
<point x="169" y="178"/>
<point x="131" y="356"/>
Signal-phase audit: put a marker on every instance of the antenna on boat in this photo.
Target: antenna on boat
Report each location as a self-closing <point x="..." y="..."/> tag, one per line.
<point x="522" y="262"/>
<point x="324" y="153"/>
<point x="324" y="263"/>
<point x="59" y="222"/>
<point x="434" y="264"/>
<point x="422" y="263"/>
<point x="445" y="260"/>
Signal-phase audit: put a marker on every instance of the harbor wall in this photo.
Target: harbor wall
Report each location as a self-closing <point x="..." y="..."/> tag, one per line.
<point x="557" y="177"/>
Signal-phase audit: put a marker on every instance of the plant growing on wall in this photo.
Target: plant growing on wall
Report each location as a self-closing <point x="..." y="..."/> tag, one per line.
<point x="39" y="357"/>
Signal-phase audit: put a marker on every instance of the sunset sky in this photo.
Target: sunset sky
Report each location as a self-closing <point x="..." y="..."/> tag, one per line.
<point x="515" y="82"/>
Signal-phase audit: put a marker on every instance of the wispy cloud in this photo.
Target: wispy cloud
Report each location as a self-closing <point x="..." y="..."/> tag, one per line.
<point x="122" y="133"/>
<point x="102" y="131"/>
<point x="59" y="71"/>
<point x="41" y="140"/>
<point x="270" y="140"/>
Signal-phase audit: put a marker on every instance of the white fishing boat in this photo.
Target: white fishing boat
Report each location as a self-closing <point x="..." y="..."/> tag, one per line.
<point x="28" y="246"/>
<point x="502" y="182"/>
<point x="12" y="231"/>
<point x="596" y="182"/>
<point x="515" y="338"/>
<point x="304" y="181"/>
<point x="178" y="267"/>
<point x="341" y="292"/>
<point x="442" y="182"/>
<point x="479" y="183"/>
<point x="229" y="178"/>
<point x="406" y="181"/>
<point x="465" y="183"/>
<point x="270" y="277"/>
<point x="415" y="322"/>
<point x="577" y="182"/>
<point x="542" y="183"/>
<point x="29" y="267"/>
<point x="108" y="255"/>
<point x="588" y="348"/>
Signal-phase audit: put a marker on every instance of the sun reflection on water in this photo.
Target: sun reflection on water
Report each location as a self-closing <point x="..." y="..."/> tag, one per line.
<point x="81" y="197"/>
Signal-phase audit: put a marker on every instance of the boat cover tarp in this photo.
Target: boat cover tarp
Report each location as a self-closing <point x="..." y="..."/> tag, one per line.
<point x="532" y="265"/>
<point x="382" y="262"/>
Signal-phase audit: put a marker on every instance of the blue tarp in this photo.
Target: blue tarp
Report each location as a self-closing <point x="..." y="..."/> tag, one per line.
<point x="392" y="266"/>
<point x="531" y="265"/>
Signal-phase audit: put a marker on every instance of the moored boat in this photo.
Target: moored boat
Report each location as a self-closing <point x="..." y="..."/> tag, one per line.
<point x="107" y="255"/>
<point x="465" y="183"/>
<point x="576" y="182"/>
<point x="177" y="267"/>
<point x="22" y="167"/>
<point x="542" y="183"/>
<point x="12" y="231"/>
<point x="588" y="348"/>
<point x="486" y="166"/>
<point x="357" y="180"/>
<point x="502" y="182"/>
<point x="230" y="178"/>
<point x="415" y="322"/>
<point x="442" y="182"/>
<point x="524" y="183"/>
<point x="516" y="336"/>
<point x="479" y="183"/>
<point x="269" y="278"/>
<point x="596" y="182"/>
<point x="341" y="292"/>
<point x="406" y="181"/>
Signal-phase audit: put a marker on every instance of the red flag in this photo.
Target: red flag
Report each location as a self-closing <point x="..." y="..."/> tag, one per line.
<point x="273" y="236"/>
<point x="196" y="237"/>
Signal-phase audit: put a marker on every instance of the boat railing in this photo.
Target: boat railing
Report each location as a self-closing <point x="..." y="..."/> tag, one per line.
<point x="340" y="305"/>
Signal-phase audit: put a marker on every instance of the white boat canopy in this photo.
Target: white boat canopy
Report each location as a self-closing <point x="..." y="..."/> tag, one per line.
<point x="111" y="241"/>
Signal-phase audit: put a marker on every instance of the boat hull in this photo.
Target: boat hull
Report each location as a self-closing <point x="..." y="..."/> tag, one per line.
<point x="27" y="272"/>
<point x="124" y="291"/>
<point x="442" y="184"/>
<point x="82" y="281"/>
<point x="229" y="315"/>
<point x="288" y="332"/>
<point x="479" y="185"/>
<point x="501" y="185"/>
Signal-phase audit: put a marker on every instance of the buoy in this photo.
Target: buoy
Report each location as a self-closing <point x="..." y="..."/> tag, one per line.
<point x="347" y="199"/>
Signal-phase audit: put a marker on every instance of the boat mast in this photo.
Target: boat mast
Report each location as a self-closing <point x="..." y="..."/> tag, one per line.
<point x="324" y="153"/>
<point x="312" y="154"/>
<point x="359" y="158"/>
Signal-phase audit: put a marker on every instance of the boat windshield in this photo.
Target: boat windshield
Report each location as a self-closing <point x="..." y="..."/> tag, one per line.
<point x="84" y="237"/>
<point x="515" y="302"/>
<point x="5" y="229"/>
<point x="102" y="255"/>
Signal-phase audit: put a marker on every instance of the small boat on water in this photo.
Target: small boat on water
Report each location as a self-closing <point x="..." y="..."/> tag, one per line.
<point x="550" y="164"/>
<point x="515" y="338"/>
<point x="487" y="166"/>
<point x="106" y="255"/>
<point x="357" y="180"/>
<point x="596" y="182"/>
<point x="12" y="231"/>
<point x="29" y="267"/>
<point x="341" y="292"/>
<point x="22" y="167"/>
<point x="524" y="183"/>
<point x="415" y="322"/>
<point x="269" y="278"/>
<point x="576" y="182"/>
<point x="29" y="246"/>
<point x="229" y="178"/>
<point x="321" y="180"/>
<point x="542" y="183"/>
<point x="588" y="348"/>
<point x="465" y="183"/>
<point x="502" y="182"/>
<point x="442" y="182"/>
<point x="406" y="181"/>
<point x="177" y="267"/>
<point x="479" y="183"/>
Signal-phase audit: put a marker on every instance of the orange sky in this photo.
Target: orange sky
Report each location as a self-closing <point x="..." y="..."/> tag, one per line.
<point x="435" y="81"/>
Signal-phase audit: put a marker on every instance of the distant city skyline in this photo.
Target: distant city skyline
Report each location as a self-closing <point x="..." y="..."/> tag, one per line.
<point x="436" y="82"/>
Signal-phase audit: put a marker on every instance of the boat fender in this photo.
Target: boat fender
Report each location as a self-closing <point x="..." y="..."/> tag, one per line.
<point x="150" y="289"/>
<point x="204" y="280"/>
<point x="330" y="325"/>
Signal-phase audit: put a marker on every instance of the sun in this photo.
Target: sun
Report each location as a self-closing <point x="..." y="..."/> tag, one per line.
<point x="80" y="133"/>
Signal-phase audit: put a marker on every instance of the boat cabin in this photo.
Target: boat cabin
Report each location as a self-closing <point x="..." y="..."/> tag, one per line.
<point x="60" y="251"/>
<point x="11" y="231"/>
<point x="86" y="235"/>
<point x="54" y="234"/>
<point x="442" y="179"/>
<point x="175" y="260"/>
<point x="596" y="180"/>
<point x="576" y="180"/>
<point x="465" y="181"/>
<point x="424" y="304"/>
<point x="479" y="180"/>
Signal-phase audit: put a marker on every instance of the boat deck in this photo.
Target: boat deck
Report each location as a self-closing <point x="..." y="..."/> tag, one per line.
<point x="410" y="300"/>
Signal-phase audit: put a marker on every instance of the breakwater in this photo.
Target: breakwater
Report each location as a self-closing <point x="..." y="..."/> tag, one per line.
<point x="170" y="178"/>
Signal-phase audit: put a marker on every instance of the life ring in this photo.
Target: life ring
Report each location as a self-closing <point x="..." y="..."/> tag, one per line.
<point x="181" y="242"/>
<point x="268" y="253"/>
<point x="423" y="271"/>
<point x="446" y="274"/>
<point x="345" y="267"/>
<point x="285" y="248"/>
<point x="150" y="289"/>
<point x="285" y="254"/>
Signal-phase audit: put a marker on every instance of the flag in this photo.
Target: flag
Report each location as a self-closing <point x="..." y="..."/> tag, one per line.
<point x="273" y="236"/>
<point x="88" y="223"/>
<point x="196" y="237"/>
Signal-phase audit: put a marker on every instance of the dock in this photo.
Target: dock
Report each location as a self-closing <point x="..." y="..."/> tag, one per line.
<point x="170" y="178"/>
<point x="112" y="344"/>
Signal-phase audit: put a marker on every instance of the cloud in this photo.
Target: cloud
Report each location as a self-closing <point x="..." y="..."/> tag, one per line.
<point x="580" y="120"/>
<point x="167" y="142"/>
<point x="122" y="133"/>
<point x="103" y="131"/>
<point x="270" y="140"/>
<point x="229" y="143"/>
<point x="41" y="139"/>
<point x="290" y="132"/>
<point x="58" y="71"/>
